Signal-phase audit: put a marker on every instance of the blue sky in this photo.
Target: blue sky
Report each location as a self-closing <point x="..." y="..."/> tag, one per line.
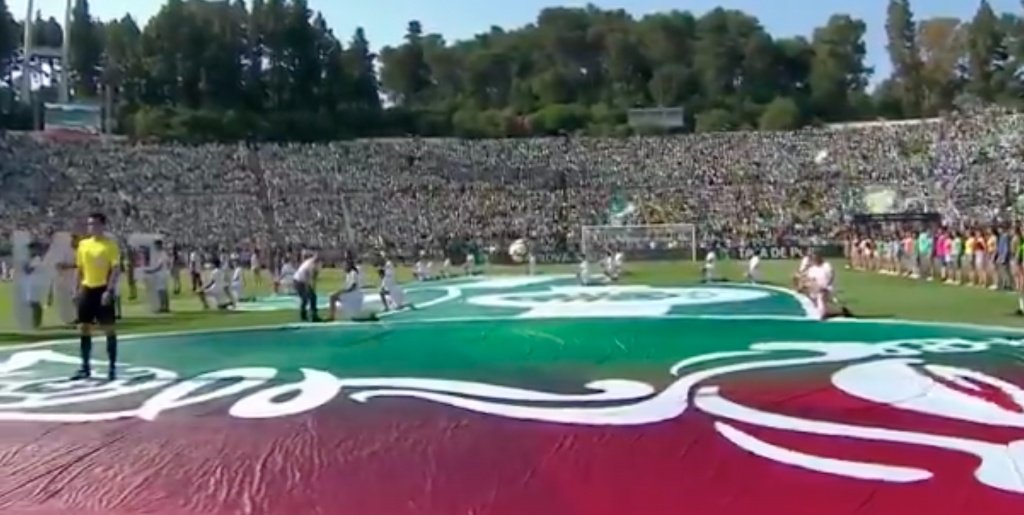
<point x="385" y="20"/>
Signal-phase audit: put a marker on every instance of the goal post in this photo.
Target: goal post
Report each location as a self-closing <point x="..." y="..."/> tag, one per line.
<point x="641" y="242"/>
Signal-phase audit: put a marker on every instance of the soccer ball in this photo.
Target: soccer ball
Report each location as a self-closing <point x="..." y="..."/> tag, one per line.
<point x="517" y="251"/>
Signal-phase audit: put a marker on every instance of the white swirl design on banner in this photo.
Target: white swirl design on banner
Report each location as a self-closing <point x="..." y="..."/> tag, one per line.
<point x="893" y="373"/>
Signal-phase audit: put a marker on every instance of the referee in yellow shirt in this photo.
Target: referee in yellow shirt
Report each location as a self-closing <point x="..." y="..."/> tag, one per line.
<point x="97" y="259"/>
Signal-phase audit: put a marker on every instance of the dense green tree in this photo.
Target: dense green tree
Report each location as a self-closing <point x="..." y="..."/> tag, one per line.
<point x="407" y="76"/>
<point x="86" y="51"/>
<point x="904" y="56"/>
<point x="986" y="53"/>
<point x="123" y="68"/>
<point x="360" y="64"/>
<point x="8" y="42"/>
<point x="838" y="72"/>
<point x="203" y="69"/>
<point x="47" y="33"/>
<point x="781" y="115"/>
<point x="942" y="43"/>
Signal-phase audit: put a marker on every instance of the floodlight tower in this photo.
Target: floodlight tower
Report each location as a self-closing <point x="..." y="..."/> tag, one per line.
<point x="26" y="74"/>
<point x="30" y="52"/>
<point x="65" y="56"/>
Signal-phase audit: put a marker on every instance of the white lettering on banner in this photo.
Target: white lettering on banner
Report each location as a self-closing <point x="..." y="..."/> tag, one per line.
<point x="892" y="373"/>
<point x="603" y="301"/>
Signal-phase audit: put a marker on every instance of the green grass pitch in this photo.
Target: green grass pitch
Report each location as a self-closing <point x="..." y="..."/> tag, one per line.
<point x="868" y="295"/>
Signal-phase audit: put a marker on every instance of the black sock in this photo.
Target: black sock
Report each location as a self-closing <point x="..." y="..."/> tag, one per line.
<point x="112" y="349"/>
<point x="86" y="347"/>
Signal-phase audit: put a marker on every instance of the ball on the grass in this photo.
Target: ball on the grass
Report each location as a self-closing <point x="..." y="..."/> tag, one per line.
<point x="517" y="251"/>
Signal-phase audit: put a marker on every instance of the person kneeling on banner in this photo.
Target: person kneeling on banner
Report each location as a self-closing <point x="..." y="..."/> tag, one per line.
<point x="611" y="267"/>
<point x="392" y="296"/>
<point x="710" y="262"/>
<point x="585" y="278"/>
<point x="583" y="273"/>
<point x="350" y="296"/>
<point x="237" y="282"/>
<point x="754" y="269"/>
<point x="216" y="289"/>
<point x="821" y="288"/>
<point x="423" y="270"/>
<point x="446" y="268"/>
<point x="284" y="282"/>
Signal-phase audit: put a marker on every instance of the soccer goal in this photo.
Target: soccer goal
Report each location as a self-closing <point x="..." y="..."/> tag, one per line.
<point x="641" y="242"/>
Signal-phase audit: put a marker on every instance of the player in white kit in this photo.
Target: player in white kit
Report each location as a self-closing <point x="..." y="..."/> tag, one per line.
<point x="754" y="269"/>
<point x="421" y="270"/>
<point x="195" y="266"/>
<point x="237" y="282"/>
<point x="800" y="276"/>
<point x="583" y="274"/>
<point x="36" y="285"/>
<point x="820" y="279"/>
<point x="710" y="261"/>
<point x="611" y="271"/>
<point x="158" y="274"/>
<point x="285" y="281"/>
<point x="216" y="289"/>
<point x="821" y="287"/>
<point x="350" y="296"/>
<point x="254" y="266"/>
<point x="64" y="284"/>
<point x="392" y="296"/>
<point x="531" y="264"/>
<point x="446" y="268"/>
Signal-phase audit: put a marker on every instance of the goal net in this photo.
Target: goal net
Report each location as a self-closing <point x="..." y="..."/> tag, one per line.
<point x="641" y="242"/>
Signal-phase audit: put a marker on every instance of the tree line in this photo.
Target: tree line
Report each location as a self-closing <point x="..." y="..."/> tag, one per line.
<point x="275" y="70"/>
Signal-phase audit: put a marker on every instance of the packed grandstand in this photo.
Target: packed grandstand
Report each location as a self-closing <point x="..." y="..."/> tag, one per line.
<point x="741" y="188"/>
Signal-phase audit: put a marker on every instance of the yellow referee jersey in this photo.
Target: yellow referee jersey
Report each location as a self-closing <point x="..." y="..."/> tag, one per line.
<point x="96" y="259"/>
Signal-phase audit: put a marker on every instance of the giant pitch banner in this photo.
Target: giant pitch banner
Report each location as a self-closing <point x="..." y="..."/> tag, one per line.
<point x="566" y="415"/>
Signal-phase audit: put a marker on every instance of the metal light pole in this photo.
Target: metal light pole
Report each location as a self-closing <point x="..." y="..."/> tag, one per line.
<point x="65" y="56"/>
<point x="26" y="66"/>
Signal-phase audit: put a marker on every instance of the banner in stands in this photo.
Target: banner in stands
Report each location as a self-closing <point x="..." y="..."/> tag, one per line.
<point x="784" y="251"/>
<point x="884" y="218"/>
<point x="683" y="253"/>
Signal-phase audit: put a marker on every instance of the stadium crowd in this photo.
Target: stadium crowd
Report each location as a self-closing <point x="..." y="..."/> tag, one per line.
<point x="739" y="188"/>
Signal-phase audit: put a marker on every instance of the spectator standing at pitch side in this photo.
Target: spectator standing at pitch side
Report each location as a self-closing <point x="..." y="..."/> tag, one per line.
<point x="305" y="285"/>
<point x="97" y="259"/>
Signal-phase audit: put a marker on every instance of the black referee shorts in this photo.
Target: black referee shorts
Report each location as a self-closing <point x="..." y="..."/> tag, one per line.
<point x="91" y="309"/>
